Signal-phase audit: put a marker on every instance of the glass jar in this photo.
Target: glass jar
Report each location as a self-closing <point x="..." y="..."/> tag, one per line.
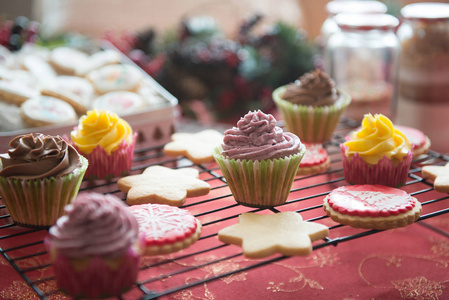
<point x="423" y="100"/>
<point x="363" y="59"/>
<point x="348" y="6"/>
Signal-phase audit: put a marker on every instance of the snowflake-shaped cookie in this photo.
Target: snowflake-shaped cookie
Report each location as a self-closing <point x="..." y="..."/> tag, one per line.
<point x="163" y="185"/>
<point x="198" y="147"/>
<point x="439" y="175"/>
<point x="165" y="229"/>
<point x="263" y="235"/>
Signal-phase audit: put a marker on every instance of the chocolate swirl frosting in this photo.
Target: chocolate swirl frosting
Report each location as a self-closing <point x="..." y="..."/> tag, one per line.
<point x="257" y="137"/>
<point x="314" y="88"/>
<point x="36" y="156"/>
<point x="94" y="225"/>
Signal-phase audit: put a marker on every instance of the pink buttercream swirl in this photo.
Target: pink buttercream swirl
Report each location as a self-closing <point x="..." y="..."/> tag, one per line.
<point x="94" y="225"/>
<point x="257" y="137"/>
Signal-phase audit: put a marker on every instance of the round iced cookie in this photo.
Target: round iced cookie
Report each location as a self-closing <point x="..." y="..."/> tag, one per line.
<point x="420" y="142"/>
<point x="65" y="60"/>
<point x="315" y="161"/>
<point x="372" y="207"/>
<point x="115" y="78"/>
<point x="77" y="85"/>
<point x="120" y="102"/>
<point x="165" y="229"/>
<point x="97" y="60"/>
<point x="16" y="92"/>
<point x="39" y="68"/>
<point x="45" y="110"/>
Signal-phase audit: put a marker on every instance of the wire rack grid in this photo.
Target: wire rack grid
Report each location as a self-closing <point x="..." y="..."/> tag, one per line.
<point x="23" y="248"/>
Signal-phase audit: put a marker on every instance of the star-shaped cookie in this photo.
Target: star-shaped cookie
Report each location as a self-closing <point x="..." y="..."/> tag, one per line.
<point x="439" y="175"/>
<point x="263" y="235"/>
<point x="197" y="147"/>
<point x="163" y="185"/>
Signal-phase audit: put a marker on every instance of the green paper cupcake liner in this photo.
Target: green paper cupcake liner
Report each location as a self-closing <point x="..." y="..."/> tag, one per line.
<point x="264" y="183"/>
<point x="40" y="202"/>
<point x="311" y="124"/>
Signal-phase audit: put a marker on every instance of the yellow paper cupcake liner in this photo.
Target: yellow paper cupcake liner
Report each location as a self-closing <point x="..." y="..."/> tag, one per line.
<point x="40" y="202"/>
<point x="311" y="124"/>
<point x="264" y="183"/>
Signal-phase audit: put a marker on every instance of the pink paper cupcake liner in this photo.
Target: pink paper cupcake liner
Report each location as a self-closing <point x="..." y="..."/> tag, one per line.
<point x="385" y="172"/>
<point x="105" y="166"/>
<point x="96" y="277"/>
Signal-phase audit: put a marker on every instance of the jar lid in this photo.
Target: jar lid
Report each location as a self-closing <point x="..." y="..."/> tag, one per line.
<point x="355" y="6"/>
<point x="366" y="21"/>
<point x="430" y="11"/>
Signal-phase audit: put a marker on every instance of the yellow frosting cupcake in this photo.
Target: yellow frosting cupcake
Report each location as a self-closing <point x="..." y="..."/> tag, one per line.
<point x="378" y="153"/>
<point x="108" y="142"/>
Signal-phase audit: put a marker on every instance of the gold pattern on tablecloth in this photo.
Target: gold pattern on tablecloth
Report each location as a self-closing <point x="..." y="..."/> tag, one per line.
<point x="419" y="288"/>
<point x="18" y="290"/>
<point x="324" y="258"/>
<point x="298" y="279"/>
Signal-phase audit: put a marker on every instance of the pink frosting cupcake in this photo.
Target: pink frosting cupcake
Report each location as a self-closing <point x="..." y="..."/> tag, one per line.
<point x="378" y="153"/>
<point x="259" y="160"/>
<point x="94" y="247"/>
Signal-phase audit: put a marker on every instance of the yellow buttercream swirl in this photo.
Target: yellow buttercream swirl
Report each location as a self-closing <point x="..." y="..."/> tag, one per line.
<point x="101" y="128"/>
<point x="378" y="138"/>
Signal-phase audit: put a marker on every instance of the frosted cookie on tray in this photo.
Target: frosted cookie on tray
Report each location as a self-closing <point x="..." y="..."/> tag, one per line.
<point x="165" y="229"/>
<point x="72" y="99"/>
<point x="158" y="184"/>
<point x="420" y="142"/>
<point x="115" y="78"/>
<point x="263" y="235"/>
<point x="39" y="68"/>
<point x="439" y="175"/>
<point x="372" y="207"/>
<point x="120" y="102"/>
<point x="15" y="92"/>
<point x="198" y="147"/>
<point x="65" y="60"/>
<point x="97" y="60"/>
<point x="315" y="161"/>
<point x="45" y="110"/>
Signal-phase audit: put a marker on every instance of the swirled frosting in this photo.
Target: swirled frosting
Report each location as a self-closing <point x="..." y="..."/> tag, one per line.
<point x="94" y="224"/>
<point x="36" y="156"/>
<point x="101" y="128"/>
<point x="314" y="88"/>
<point x="257" y="137"/>
<point x="377" y="138"/>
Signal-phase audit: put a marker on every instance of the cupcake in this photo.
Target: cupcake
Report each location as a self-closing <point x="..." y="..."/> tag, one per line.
<point x="93" y="247"/>
<point x="311" y="106"/>
<point x="377" y="153"/>
<point x="107" y="141"/>
<point x="259" y="161"/>
<point x="39" y="175"/>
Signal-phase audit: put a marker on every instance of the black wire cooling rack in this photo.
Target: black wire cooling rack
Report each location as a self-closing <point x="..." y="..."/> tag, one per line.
<point x="24" y="250"/>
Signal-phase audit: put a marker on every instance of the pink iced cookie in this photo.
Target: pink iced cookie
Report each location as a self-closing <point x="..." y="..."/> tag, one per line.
<point x="420" y="142"/>
<point x="372" y="207"/>
<point x="165" y="229"/>
<point x="316" y="160"/>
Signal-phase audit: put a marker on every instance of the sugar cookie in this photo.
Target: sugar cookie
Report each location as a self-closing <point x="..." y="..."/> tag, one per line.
<point x="44" y="110"/>
<point x="163" y="185"/>
<point x="263" y="235"/>
<point x="97" y="60"/>
<point x="315" y="161"/>
<point x="198" y="147"/>
<point x="439" y="175"/>
<point x="165" y="229"/>
<point x="120" y="102"/>
<point x="15" y="92"/>
<point x="115" y="78"/>
<point x="372" y="207"/>
<point x="72" y="99"/>
<point x="65" y="60"/>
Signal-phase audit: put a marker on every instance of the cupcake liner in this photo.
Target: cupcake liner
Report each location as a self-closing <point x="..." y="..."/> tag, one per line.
<point x="264" y="183"/>
<point x="95" y="277"/>
<point x="106" y="166"/>
<point x="40" y="202"/>
<point x="385" y="172"/>
<point x="311" y="124"/>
